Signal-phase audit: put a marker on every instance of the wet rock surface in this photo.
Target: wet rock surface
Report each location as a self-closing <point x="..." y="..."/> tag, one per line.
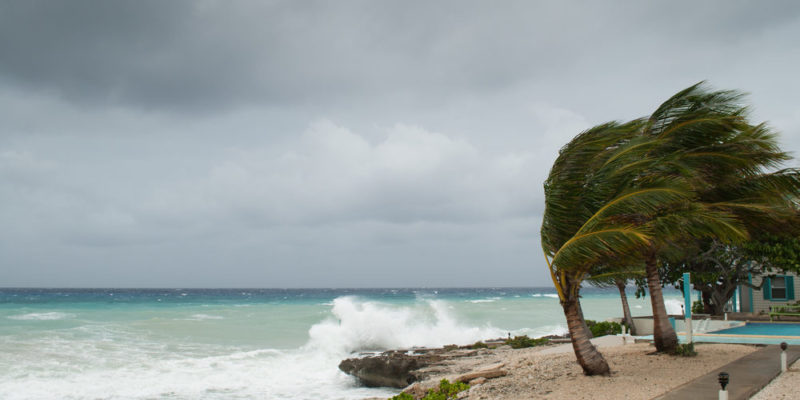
<point x="400" y="368"/>
<point x="392" y="369"/>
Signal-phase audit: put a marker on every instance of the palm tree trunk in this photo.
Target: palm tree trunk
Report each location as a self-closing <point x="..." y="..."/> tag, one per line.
<point x="589" y="358"/>
<point x="583" y="320"/>
<point x="663" y="335"/>
<point x="626" y="309"/>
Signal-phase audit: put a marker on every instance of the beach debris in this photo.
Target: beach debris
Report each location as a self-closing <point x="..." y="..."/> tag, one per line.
<point x="477" y="381"/>
<point x="489" y="372"/>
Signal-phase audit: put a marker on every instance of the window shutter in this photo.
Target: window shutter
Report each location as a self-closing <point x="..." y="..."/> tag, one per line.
<point x="789" y="287"/>
<point x="767" y="289"/>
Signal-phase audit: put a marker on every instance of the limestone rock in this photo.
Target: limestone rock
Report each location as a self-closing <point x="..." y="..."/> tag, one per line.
<point x="390" y="369"/>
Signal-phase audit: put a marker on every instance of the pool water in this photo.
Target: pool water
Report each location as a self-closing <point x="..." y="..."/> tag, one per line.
<point x="764" y="329"/>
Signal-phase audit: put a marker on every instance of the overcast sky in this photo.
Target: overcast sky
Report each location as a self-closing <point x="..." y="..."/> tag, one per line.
<point x="336" y="143"/>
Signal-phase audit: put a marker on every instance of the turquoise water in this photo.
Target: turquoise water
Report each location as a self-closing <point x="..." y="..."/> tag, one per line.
<point x="249" y="343"/>
<point x="754" y="328"/>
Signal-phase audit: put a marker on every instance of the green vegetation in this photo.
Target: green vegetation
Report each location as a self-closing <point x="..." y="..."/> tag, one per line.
<point x="718" y="268"/>
<point x="446" y="391"/>
<point x="685" y="350"/>
<point x="479" y="345"/>
<point x="697" y="307"/>
<point x="521" y="342"/>
<point x="603" y="328"/>
<point x="659" y="192"/>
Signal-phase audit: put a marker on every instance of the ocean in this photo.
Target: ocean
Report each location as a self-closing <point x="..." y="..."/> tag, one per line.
<point x="251" y="343"/>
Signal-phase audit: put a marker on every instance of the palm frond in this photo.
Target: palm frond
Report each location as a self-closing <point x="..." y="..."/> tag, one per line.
<point x="587" y="249"/>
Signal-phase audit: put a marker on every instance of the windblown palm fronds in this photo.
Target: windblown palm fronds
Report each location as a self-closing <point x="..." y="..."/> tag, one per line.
<point x="623" y="191"/>
<point x="594" y="215"/>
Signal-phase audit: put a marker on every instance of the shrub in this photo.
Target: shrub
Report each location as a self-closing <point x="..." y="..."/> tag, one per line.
<point x="521" y="342"/>
<point x="479" y="345"/>
<point x="603" y="328"/>
<point x="697" y="307"/>
<point x="685" y="350"/>
<point x="446" y="391"/>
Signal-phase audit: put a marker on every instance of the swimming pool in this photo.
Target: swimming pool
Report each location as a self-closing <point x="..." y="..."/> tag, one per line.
<point x="762" y="329"/>
<point x="750" y="333"/>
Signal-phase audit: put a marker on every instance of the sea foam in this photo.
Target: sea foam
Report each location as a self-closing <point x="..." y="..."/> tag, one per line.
<point x="371" y="326"/>
<point x="489" y="300"/>
<point x="45" y="316"/>
<point x="201" y="317"/>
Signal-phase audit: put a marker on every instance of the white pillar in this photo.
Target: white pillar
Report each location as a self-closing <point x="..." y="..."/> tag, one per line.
<point x="783" y="361"/>
<point x="723" y="395"/>
<point x="784" y="346"/>
<point x="688" y="330"/>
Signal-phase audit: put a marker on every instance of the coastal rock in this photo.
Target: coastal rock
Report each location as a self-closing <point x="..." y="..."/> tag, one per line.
<point x="390" y="369"/>
<point x="420" y="370"/>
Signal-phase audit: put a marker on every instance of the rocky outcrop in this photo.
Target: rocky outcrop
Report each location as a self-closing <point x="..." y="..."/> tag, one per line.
<point x="421" y="369"/>
<point x="396" y="369"/>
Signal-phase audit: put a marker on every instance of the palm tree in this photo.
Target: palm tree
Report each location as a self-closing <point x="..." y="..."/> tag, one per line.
<point x="622" y="191"/>
<point x="617" y="276"/>
<point x="588" y="221"/>
<point x="704" y="138"/>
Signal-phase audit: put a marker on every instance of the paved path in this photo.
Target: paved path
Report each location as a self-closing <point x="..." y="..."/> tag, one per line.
<point x="748" y="375"/>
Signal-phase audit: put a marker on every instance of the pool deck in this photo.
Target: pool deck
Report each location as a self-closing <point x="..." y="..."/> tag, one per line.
<point x="748" y="375"/>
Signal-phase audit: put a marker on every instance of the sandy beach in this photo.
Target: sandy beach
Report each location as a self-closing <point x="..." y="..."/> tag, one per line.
<point x="551" y="372"/>
<point x="637" y="373"/>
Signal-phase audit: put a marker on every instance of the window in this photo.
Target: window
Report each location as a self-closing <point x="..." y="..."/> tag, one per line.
<point x="779" y="288"/>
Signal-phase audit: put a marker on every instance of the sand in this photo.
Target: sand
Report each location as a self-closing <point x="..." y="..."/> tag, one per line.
<point x="552" y="372"/>
<point x="785" y="386"/>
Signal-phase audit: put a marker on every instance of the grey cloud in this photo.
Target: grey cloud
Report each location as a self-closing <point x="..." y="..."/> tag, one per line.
<point x="211" y="55"/>
<point x="360" y="143"/>
<point x="333" y="174"/>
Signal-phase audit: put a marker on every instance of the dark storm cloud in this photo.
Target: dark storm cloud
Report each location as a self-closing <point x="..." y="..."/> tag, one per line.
<point x="188" y="54"/>
<point x="217" y="55"/>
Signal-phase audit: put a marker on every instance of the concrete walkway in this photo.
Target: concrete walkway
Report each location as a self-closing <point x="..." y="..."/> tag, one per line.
<point x="748" y="375"/>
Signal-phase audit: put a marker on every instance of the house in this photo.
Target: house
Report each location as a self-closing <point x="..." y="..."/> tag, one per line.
<point x="777" y="290"/>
